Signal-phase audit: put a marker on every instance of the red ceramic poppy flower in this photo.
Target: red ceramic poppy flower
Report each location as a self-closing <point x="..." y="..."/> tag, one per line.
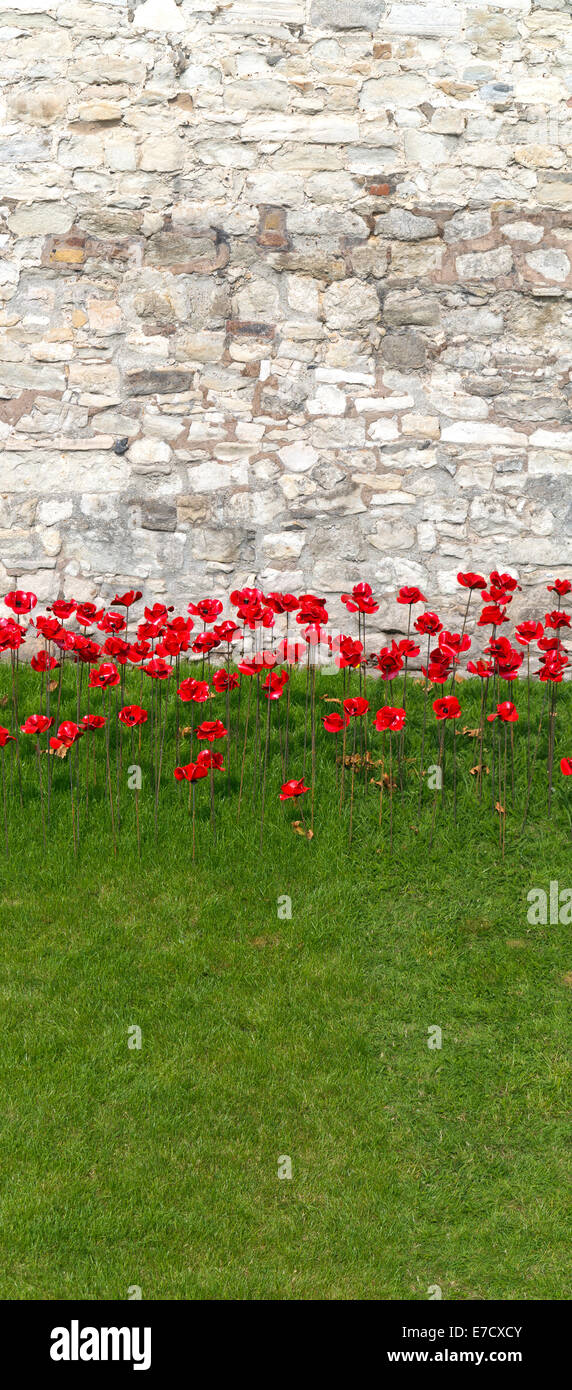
<point x="191" y="689"/>
<point x="453" y="643"/>
<point x="492" y="614"/>
<point x="350" y="653"/>
<point x="127" y="599"/>
<point x="360" y="600"/>
<point x="43" y="662"/>
<point x="133" y="715"/>
<point x="112" y="622"/>
<point x="558" y="619"/>
<point x="484" y="669"/>
<point x="158" y="669"/>
<point x="36" y="724"/>
<point x="20" y="601"/>
<point x="560" y="586"/>
<point x="528" y="632"/>
<point x="334" y="723"/>
<point x="390" y="717"/>
<point x="472" y="580"/>
<point x="207" y="759"/>
<point x="94" y="721"/>
<point x="356" y="706"/>
<point x="566" y="766"/>
<point x="87" y="614"/>
<point x="292" y="789"/>
<point x="227" y="631"/>
<point x="158" y="613"/>
<point x="428" y="624"/>
<point x="274" y="684"/>
<point x="208" y="609"/>
<point x="205" y="642"/>
<point x="68" y="733"/>
<point x="225" y="680"/>
<point x="5" y="736"/>
<point x="389" y="662"/>
<point x="106" y="675"/>
<point x="211" y="729"/>
<point x="282" y="603"/>
<point x="506" y="712"/>
<point x="447" y="707"/>
<point x="503" y="581"/>
<point x="190" y="772"/>
<point x="312" y="609"/>
<point x="49" y="627"/>
<point x="410" y="594"/>
<point x="63" y="608"/>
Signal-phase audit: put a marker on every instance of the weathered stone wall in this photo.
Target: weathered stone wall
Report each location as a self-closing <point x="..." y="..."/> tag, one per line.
<point x="285" y="294"/>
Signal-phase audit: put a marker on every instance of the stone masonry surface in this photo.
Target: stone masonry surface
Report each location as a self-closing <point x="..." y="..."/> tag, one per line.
<point x="285" y="296"/>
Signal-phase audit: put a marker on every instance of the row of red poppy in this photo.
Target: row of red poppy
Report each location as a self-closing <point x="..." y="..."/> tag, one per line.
<point x="160" y="636"/>
<point x="390" y="719"/>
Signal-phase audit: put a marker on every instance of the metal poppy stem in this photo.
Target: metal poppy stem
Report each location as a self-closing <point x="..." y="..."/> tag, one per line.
<point x="41" y="792"/>
<point x="441" y="746"/>
<point x="4" y="806"/>
<point x="528" y="790"/>
<point x="266" y="742"/>
<point x="425" y="694"/>
<point x="244" y="745"/>
<point x="110" y="794"/>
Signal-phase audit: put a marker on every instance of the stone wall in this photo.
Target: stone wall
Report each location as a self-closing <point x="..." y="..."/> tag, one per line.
<point x="284" y="294"/>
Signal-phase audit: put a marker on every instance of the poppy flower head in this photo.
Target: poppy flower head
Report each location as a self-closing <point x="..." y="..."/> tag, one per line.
<point x="5" y="736"/>
<point x="106" y="676"/>
<point x="94" y="721"/>
<point x="506" y="712"/>
<point x="472" y="580"/>
<point x="428" y="624"/>
<point x="225" y="680"/>
<point x="211" y="729"/>
<point x="190" y="689"/>
<point x="528" y="632"/>
<point x="566" y="766"/>
<point x="447" y="707"/>
<point x="560" y="586"/>
<point x="389" y="662"/>
<point x="158" y="669"/>
<point x="133" y="715"/>
<point x="390" y="717"/>
<point x="558" y="619"/>
<point x="292" y="789"/>
<point x="20" y="601"/>
<point x="355" y="707"/>
<point x="208" y="609"/>
<point x="360" y="600"/>
<point x="410" y="594"/>
<point x="210" y="760"/>
<point x="63" y="608"/>
<point x="36" y="724"/>
<point x="126" y="600"/>
<point x="43" y="662"/>
<point x="190" y="772"/>
<point x="349" y="652"/>
<point x="334" y="723"/>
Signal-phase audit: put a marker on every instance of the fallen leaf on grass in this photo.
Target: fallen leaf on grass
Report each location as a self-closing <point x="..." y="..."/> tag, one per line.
<point x="358" y="760"/>
<point x="470" y="733"/>
<point x="260" y="941"/>
<point x="567" y="979"/>
<point x="53" y="685"/>
<point x="3" y="701"/>
<point x="300" y="829"/>
<point x="331" y="699"/>
<point x="385" y="780"/>
<point x="499" y="808"/>
<point x="479" y="767"/>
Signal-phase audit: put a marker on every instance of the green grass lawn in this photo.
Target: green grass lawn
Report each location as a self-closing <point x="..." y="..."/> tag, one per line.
<point x="264" y="1035"/>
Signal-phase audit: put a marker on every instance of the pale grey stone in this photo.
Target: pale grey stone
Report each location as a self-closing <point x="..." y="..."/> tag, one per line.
<point x="346" y="14"/>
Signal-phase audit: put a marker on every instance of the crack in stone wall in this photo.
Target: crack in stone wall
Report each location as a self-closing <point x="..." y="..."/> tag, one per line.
<point x="285" y="295"/>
